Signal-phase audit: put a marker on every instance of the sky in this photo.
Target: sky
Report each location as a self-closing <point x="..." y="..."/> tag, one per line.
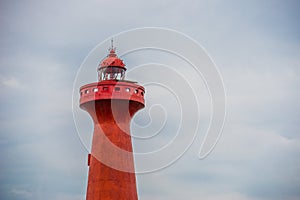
<point x="255" y="46"/>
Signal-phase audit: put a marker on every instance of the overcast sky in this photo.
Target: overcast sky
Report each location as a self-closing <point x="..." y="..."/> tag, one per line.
<point x="255" y="45"/>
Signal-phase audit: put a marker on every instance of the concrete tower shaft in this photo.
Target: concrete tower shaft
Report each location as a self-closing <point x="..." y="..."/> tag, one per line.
<point x="111" y="103"/>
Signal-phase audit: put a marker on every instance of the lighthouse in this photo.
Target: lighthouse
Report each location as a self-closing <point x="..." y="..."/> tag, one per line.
<point x="111" y="102"/>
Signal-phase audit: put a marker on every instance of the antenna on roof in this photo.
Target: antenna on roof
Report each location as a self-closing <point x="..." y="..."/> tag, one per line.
<point x="112" y="48"/>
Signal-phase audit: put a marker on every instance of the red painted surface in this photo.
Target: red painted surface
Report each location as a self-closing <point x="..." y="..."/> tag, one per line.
<point x="111" y="89"/>
<point x="111" y="104"/>
<point x="112" y="60"/>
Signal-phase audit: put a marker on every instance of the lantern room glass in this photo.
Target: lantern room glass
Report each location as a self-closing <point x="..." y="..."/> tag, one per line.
<point x="111" y="73"/>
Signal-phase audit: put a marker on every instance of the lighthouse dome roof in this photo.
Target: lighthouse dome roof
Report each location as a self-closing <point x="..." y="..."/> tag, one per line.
<point x="112" y="60"/>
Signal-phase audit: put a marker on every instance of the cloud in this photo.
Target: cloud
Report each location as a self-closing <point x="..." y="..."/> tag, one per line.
<point x="255" y="45"/>
<point x="11" y="82"/>
<point x="21" y="193"/>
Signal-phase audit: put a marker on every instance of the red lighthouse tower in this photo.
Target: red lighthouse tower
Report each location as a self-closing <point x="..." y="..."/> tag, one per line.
<point x="111" y="102"/>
